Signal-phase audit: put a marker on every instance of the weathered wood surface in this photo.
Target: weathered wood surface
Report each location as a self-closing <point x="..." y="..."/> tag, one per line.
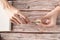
<point x="22" y="36"/>
<point x="35" y="28"/>
<point x="36" y="4"/>
<point x="34" y="9"/>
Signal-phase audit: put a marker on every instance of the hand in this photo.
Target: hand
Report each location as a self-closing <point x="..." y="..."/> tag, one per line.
<point x="18" y="18"/>
<point x="52" y="17"/>
<point x="14" y="14"/>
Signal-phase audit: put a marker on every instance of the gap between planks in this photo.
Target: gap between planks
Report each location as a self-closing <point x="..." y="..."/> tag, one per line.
<point x="33" y="32"/>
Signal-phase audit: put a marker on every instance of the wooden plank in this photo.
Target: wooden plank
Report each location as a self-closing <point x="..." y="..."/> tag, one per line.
<point x="33" y="9"/>
<point x="20" y="5"/>
<point x="35" y="28"/>
<point x="43" y="4"/>
<point x="37" y="4"/>
<point x="29" y="13"/>
<point x="59" y="3"/>
<point x="22" y="36"/>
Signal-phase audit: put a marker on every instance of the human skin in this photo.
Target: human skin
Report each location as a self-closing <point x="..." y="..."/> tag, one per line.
<point x="51" y="17"/>
<point x="14" y="14"/>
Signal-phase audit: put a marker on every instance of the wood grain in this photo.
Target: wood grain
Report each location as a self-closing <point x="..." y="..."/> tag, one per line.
<point x="34" y="9"/>
<point x="37" y="4"/>
<point x="35" y="28"/>
<point x="22" y="36"/>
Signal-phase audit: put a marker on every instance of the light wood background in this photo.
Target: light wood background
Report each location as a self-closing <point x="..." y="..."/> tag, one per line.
<point x="33" y="9"/>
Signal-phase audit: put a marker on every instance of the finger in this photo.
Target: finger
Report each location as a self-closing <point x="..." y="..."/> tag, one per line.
<point x="16" y="20"/>
<point x="20" y="18"/>
<point x="45" y="21"/>
<point x="13" y="21"/>
<point x="25" y="18"/>
<point x="23" y="21"/>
